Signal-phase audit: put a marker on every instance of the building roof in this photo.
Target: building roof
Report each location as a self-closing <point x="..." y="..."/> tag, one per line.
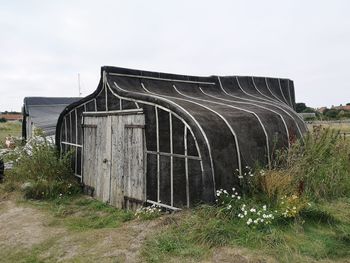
<point x="44" y="111"/>
<point x="11" y="117"/>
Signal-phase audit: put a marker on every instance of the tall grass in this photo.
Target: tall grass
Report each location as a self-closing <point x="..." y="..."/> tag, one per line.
<point x="308" y="189"/>
<point x="319" y="166"/>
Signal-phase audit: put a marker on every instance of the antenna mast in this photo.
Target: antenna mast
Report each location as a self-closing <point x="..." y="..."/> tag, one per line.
<point x="79" y="89"/>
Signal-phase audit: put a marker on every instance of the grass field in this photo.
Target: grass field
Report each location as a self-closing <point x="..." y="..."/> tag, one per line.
<point x="12" y="128"/>
<point x="341" y="126"/>
<point x="196" y="236"/>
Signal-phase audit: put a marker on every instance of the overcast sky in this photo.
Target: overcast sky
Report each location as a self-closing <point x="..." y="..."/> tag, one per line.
<point x="45" y="44"/>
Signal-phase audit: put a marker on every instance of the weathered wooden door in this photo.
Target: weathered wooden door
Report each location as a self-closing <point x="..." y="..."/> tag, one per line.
<point x="134" y="166"/>
<point x="113" y="157"/>
<point x="97" y="156"/>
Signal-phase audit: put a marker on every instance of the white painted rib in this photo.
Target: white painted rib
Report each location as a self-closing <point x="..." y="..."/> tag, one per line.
<point x="70" y="126"/>
<point x="163" y="79"/>
<point x="256" y="87"/>
<point x="106" y="98"/>
<point x="262" y="102"/>
<point x="194" y="119"/>
<point x="188" y="126"/>
<point x="230" y="127"/>
<point x="65" y="126"/>
<point x="274" y="103"/>
<point x="216" y="113"/>
<point x="61" y="140"/>
<point x="186" y="169"/>
<point x="163" y="205"/>
<point x="190" y="157"/>
<point x="268" y="98"/>
<point x="290" y="97"/>
<point x="171" y="161"/>
<point x="76" y="140"/>
<point x="79" y="176"/>
<point x="177" y="116"/>
<point x="76" y="125"/>
<point x="290" y="107"/>
<point x="272" y="93"/>
<point x="158" y="156"/>
<point x="72" y="144"/>
<point x="259" y="106"/>
<point x="279" y="84"/>
<point x="251" y="95"/>
<point x="165" y="109"/>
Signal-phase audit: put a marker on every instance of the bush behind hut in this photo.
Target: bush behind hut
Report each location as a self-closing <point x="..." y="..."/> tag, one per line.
<point x="40" y="173"/>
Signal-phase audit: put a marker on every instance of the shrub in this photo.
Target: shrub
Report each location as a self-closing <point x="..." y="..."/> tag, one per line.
<point x="319" y="165"/>
<point x="41" y="171"/>
<point x="291" y="206"/>
<point x="275" y="183"/>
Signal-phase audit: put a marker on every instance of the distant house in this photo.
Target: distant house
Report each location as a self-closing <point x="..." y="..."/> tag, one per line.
<point x="307" y="115"/>
<point x="42" y="113"/>
<point x="345" y="108"/>
<point x="321" y="110"/>
<point x="11" y="116"/>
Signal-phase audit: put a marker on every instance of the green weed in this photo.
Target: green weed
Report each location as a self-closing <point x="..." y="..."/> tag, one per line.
<point x="83" y="213"/>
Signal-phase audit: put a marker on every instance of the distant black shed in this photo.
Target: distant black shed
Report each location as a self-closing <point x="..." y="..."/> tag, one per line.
<point x="42" y="112"/>
<point x="175" y="139"/>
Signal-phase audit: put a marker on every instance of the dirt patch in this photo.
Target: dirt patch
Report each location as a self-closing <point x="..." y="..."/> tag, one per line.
<point x="105" y="245"/>
<point x="26" y="228"/>
<point x="23" y="226"/>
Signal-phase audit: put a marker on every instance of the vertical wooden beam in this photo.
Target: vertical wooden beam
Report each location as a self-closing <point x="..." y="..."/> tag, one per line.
<point x="186" y="168"/>
<point x="65" y="127"/>
<point x="82" y="148"/>
<point x="171" y="161"/>
<point x="158" y="156"/>
<point x="76" y="141"/>
<point x="106" y="98"/>
<point x="109" y="149"/>
<point x="144" y="163"/>
<point x="70" y="127"/>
